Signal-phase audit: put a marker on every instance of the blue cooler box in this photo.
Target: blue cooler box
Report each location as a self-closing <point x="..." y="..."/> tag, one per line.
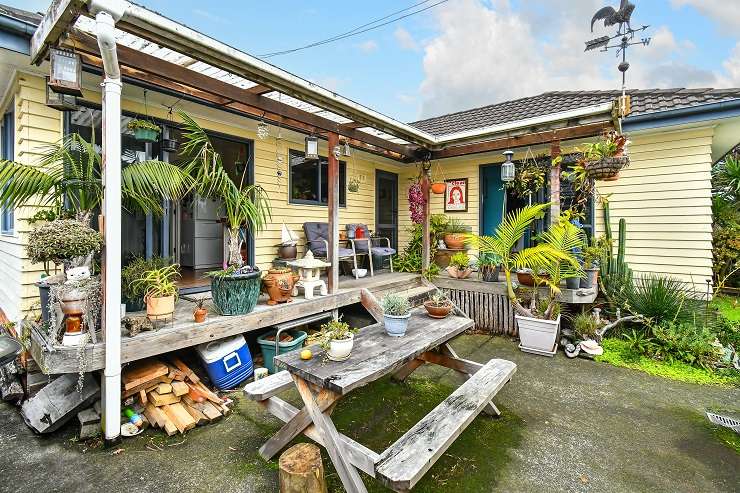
<point x="227" y="361"/>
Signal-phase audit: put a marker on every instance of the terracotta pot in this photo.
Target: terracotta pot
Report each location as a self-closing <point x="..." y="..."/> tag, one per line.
<point x="455" y="241"/>
<point x="279" y="285"/>
<point x="199" y="315"/>
<point x="160" y="307"/>
<point x="436" y="311"/>
<point x="455" y="272"/>
<point x="439" y="187"/>
<point x="526" y="278"/>
<point x="343" y="234"/>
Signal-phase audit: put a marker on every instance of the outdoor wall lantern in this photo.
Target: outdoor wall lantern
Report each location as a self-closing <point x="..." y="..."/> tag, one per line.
<point x="508" y="170"/>
<point x="347" y="149"/>
<point x="59" y="101"/>
<point x="65" y="73"/>
<point x="312" y="147"/>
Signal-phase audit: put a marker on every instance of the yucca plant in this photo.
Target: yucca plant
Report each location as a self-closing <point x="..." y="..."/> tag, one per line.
<point x="552" y="255"/>
<point x="244" y="205"/>
<point x="67" y="177"/>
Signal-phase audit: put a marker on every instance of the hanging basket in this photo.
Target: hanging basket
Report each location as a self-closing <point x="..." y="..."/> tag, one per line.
<point x="438" y="187"/>
<point x="607" y="168"/>
<point x="146" y="134"/>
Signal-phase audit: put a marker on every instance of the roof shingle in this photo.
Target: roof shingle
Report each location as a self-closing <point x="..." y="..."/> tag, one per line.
<point x="643" y="101"/>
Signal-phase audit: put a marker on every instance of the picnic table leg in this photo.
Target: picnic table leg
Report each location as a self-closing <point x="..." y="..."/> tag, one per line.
<point x="291" y="429"/>
<point x="325" y="427"/>
<point x="490" y="408"/>
<point x="407" y="370"/>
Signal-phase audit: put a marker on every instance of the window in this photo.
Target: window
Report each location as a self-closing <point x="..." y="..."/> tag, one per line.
<point x="309" y="180"/>
<point x="7" y="135"/>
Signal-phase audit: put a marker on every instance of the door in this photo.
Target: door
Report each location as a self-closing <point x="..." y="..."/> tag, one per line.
<point x="491" y="197"/>
<point x="386" y="206"/>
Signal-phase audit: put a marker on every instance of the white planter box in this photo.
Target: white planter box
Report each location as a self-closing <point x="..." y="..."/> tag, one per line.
<point x="537" y="335"/>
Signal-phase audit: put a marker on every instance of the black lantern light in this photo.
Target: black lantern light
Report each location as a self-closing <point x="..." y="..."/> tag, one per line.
<point x="312" y="147"/>
<point x="508" y="170"/>
<point x="65" y="73"/>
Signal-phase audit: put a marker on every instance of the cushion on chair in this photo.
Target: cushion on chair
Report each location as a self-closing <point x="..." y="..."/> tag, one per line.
<point x="315" y="234"/>
<point x="345" y="252"/>
<point x="383" y="251"/>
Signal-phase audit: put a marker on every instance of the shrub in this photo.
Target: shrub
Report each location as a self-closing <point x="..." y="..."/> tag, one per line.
<point x="686" y="342"/>
<point x="460" y="260"/>
<point x="585" y="325"/>
<point x="661" y="299"/>
<point x="395" y="305"/>
<point x="728" y="331"/>
<point x="62" y="240"/>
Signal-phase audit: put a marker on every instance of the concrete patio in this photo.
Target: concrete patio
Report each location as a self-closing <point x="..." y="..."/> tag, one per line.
<point x="567" y="426"/>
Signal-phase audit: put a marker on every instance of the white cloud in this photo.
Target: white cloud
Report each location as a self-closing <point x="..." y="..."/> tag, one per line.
<point x="368" y="46"/>
<point x="405" y="40"/>
<point x="211" y="16"/>
<point x="485" y="52"/>
<point x="725" y="13"/>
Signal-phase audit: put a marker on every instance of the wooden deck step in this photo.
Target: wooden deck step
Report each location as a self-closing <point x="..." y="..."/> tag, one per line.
<point x="404" y="463"/>
<point x="264" y="388"/>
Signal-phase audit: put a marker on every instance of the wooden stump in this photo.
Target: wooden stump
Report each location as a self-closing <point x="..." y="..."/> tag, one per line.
<point x="301" y="470"/>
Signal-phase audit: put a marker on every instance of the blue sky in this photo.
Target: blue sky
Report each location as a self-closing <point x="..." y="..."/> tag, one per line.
<point x="467" y="53"/>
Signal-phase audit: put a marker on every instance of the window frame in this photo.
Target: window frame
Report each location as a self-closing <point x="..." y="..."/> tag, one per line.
<point x="7" y="150"/>
<point x="322" y="160"/>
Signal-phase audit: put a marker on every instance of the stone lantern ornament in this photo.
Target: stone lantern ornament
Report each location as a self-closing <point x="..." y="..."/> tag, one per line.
<point x="310" y="272"/>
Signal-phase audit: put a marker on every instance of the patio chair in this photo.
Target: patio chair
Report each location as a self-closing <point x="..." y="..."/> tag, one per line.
<point x="373" y="244"/>
<point x="317" y="240"/>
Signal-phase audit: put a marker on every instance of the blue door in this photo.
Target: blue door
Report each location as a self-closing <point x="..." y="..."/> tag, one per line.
<point x="492" y="198"/>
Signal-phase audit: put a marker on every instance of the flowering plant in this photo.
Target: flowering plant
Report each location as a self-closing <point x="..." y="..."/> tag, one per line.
<point x="416" y="203"/>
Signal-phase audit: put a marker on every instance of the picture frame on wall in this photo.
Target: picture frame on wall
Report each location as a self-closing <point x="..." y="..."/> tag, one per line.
<point x="456" y="195"/>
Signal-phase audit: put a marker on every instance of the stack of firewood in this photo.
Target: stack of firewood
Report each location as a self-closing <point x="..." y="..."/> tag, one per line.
<point x="171" y="394"/>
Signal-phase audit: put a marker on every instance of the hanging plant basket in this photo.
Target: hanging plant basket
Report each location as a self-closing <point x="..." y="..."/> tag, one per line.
<point x="354" y="185"/>
<point x="144" y="130"/>
<point x="607" y="168"/>
<point x="236" y="294"/>
<point x="438" y="187"/>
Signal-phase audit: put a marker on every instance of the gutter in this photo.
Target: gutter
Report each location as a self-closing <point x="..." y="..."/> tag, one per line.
<point x="680" y="116"/>
<point x="16" y="26"/>
<point x="166" y="32"/>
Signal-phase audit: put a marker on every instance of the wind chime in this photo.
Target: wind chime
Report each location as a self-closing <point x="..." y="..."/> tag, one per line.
<point x="279" y="159"/>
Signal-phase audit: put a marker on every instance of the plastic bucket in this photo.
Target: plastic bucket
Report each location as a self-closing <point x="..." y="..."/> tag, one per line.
<point x="268" y="347"/>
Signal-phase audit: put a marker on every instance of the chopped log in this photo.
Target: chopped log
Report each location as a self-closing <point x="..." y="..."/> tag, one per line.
<point x="199" y="417"/>
<point x="147" y="386"/>
<point x="143" y="371"/>
<point x="180" y="388"/>
<point x="142" y="397"/>
<point x="179" y="416"/>
<point x="59" y="402"/>
<point x="207" y="408"/>
<point x="301" y="470"/>
<point x="162" y="400"/>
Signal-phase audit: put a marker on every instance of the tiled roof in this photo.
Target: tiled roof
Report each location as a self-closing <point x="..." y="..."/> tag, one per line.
<point x="643" y="101"/>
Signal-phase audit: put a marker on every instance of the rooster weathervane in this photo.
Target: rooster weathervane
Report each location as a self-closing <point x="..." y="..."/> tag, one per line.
<point x="620" y="18"/>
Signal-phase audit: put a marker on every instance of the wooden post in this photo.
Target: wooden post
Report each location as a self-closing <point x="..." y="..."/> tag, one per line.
<point x="554" y="184"/>
<point x="333" y="252"/>
<point x="301" y="470"/>
<point x="426" y="247"/>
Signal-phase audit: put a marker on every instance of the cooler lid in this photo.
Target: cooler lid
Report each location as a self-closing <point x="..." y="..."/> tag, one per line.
<point x="216" y="350"/>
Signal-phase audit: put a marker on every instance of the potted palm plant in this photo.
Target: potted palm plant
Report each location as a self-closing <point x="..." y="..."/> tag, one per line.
<point x="438" y="305"/>
<point x="236" y="288"/>
<point x="337" y="338"/>
<point x="459" y="267"/>
<point x="396" y="314"/>
<point x="160" y="291"/>
<point x="144" y="130"/>
<point x="539" y="322"/>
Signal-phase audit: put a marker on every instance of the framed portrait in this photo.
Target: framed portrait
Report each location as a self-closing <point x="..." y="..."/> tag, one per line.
<point x="456" y="195"/>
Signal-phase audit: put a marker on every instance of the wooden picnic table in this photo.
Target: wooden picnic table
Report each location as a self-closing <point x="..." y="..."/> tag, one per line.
<point x="322" y="383"/>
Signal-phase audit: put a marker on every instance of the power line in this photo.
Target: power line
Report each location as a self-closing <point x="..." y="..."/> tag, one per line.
<point x="361" y="29"/>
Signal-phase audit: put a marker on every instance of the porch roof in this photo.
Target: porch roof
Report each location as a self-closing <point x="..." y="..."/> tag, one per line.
<point x="262" y="90"/>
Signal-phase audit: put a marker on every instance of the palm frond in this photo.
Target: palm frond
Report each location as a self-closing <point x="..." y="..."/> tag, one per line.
<point x="148" y="182"/>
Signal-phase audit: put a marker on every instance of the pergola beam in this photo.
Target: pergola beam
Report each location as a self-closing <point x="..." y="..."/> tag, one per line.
<point x="259" y="89"/>
<point x="171" y="76"/>
<point x="527" y="139"/>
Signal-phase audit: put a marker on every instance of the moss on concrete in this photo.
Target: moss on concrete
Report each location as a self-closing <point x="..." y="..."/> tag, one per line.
<point x="618" y="353"/>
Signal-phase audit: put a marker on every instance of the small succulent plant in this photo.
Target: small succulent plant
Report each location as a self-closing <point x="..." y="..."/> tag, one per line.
<point x="395" y="305"/>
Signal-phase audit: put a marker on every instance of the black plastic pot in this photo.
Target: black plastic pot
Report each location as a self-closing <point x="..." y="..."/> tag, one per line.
<point x="44" y="295"/>
<point x="573" y="282"/>
<point x="489" y="274"/>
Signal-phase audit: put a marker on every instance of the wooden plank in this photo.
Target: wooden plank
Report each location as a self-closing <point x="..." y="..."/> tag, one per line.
<point x="55" y="23"/>
<point x="330" y="437"/>
<point x="407" y="369"/>
<point x="404" y="463"/>
<point x="146" y="386"/>
<point x="185" y="369"/>
<point x="142" y="372"/>
<point x="208" y="409"/>
<point x="259" y="90"/>
<point x="179" y="388"/>
<point x="198" y="416"/>
<point x="162" y="400"/>
<point x="264" y="388"/>
<point x="164" y="388"/>
<point x="370" y="302"/>
<point x="155" y="415"/>
<point x="374" y="353"/>
<point x="179" y="416"/>
<point x="360" y="456"/>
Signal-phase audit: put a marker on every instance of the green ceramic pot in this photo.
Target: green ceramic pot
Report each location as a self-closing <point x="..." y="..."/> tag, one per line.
<point x="146" y="135"/>
<point x="236" y="295"/>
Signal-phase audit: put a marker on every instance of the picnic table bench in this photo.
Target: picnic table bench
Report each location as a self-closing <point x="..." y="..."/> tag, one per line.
<point x="322" y="383"/>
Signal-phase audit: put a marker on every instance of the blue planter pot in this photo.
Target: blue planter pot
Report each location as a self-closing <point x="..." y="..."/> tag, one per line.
<point x="396" y="326"/>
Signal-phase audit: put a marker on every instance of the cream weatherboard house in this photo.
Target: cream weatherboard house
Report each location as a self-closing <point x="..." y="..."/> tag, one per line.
<point x="665" y="194"/>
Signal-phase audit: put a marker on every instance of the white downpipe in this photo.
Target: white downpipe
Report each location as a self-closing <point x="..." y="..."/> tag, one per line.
<point x="105" y="25"/>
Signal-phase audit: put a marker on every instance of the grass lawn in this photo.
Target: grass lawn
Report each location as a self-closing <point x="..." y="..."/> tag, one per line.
<point x="729" y="306"/>
<point x="618" y="353"/>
